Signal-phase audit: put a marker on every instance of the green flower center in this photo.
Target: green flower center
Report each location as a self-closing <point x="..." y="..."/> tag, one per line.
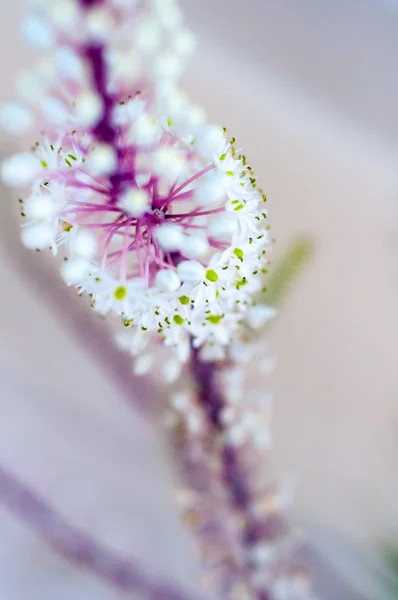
<point x="120" y="292"/>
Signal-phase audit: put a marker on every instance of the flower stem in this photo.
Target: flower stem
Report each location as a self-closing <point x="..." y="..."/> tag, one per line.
<point x="235" y="478"/>
<point x="77" y="547"/>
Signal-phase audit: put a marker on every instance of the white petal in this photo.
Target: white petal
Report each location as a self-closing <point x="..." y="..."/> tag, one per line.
<point x="40" y="208"/>
<point x="191" y="271"/>
<point x="98" y="23"/>
<point x="167" y="66"/>
<point x="211" y="191"/>
<point x="135" y="202"/>
<point x="83" y="244"/>
<point x="37" y="236"/>
<point x="210" y="141"/>
<point x="181" y="401"/>
<point x="148" y="37"/>
<point x="258" y="315"/>
<point x="167" y="280"/>
<point x="15" y="119"/>
<point x="103" y="159"/>
<point x="168" y="163"/>
<point x="194" y="246"/>
<point x="55" y="111"/>
<point x="89" y="108"/>
<point x="144" y="130"/>
<point x="223" y="226"/>
<point x="74" y="271"/>
<point x="69" y="62"/>
<point x="38" y="32"/>
<point x="184" y="42"/>
<point x="20" y="170"/>
<point x="169" y="237"/>
<point x="171" y="370"/>
<point x="143" y="364"/>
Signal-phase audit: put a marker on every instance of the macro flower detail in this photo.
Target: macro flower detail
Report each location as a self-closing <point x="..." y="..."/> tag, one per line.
<point x="146" y="203"/>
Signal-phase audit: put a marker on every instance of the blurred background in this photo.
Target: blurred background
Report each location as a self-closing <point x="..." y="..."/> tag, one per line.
<point x="309" y="89"/>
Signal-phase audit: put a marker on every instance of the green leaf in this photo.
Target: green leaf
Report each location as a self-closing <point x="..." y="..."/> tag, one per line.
<point x="285" y="272"/>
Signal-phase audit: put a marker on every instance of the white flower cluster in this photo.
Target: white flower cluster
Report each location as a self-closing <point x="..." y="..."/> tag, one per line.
<point x="158" y="214"/>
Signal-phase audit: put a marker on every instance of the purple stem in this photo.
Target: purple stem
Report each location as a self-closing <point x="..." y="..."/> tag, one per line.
<point x="76" y="546"/>
<point x="212" y="400"/>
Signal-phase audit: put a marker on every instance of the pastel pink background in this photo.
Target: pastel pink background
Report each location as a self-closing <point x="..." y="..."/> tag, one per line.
<point x="310" y="91"/>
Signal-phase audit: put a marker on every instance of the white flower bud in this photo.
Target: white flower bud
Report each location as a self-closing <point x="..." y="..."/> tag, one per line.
<point x="181" y="401"/>
<point x="29" y="88"/>
<point x="40" y="208"/>
<point x="83" y="244"/>
<point x="212" y="352"/>
<point x="168" y="163"/>
<point x="236" y="435"/>
<point x="167" y="280"/>
<point x="89" y="108"/>
<point x="168" y="13"/>
<point x="135" y="202"/>
<point x="20" y="170"/>
<point x="258" y="315"/>
<point x="69" y="63"/>
<point x="184" y="42"/>
<point x="37" y="236"/>
<point x="172" y="101"/>
<point x="167" y="66"/>
<point x="263" y="554"/>
<point x="127" y="65"/>
<point x="169" y="237"/>
<point x="210" y="141"/>
<point x="211" y="191"/>
<point x="98" y="24"/>
<point x="55" y="110"/>
<point x="148" y="37"/>
<point x="223" y="226"/>
<point x="103" y="159"/>
<point x="143" y="364"/>
<point x="191" y="271"/>
<point x="73" y="271"/>
<point x="194" y="246"/>
<point x="38" y="32"/>
<point x="15" y="119"/>
<point x="144" y="130"/>
<point x="171" y="370"/>
<point x="64" y="13"/>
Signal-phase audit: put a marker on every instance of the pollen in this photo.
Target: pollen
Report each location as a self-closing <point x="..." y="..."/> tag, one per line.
<point x="120" y="293"/>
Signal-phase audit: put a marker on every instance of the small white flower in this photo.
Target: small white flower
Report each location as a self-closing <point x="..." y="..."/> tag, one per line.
<point x="169" y="237"/>
<point x="56" y="111"/>
<point x="259" y="315"/>
<point x="171" y="370"/>
<point x="191" y="271"/>
<point x="143" y="364"/>
<point x="167" y="280"/>
<point x="37" y="236"/>
<point x="135" y="202"/>
<point x="20" y="170"/>
<point x="103" y="160"/>
<point x="84" y="244"/>
<point x="38" y="32"/>
<point x="75" y="270"/>
<point x="15" y="118"/>
<point x="89" y="108"/>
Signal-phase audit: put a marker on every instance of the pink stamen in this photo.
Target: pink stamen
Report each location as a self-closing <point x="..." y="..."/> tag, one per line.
<point x="192" y="179"/>
<point x="199" y="213"/>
